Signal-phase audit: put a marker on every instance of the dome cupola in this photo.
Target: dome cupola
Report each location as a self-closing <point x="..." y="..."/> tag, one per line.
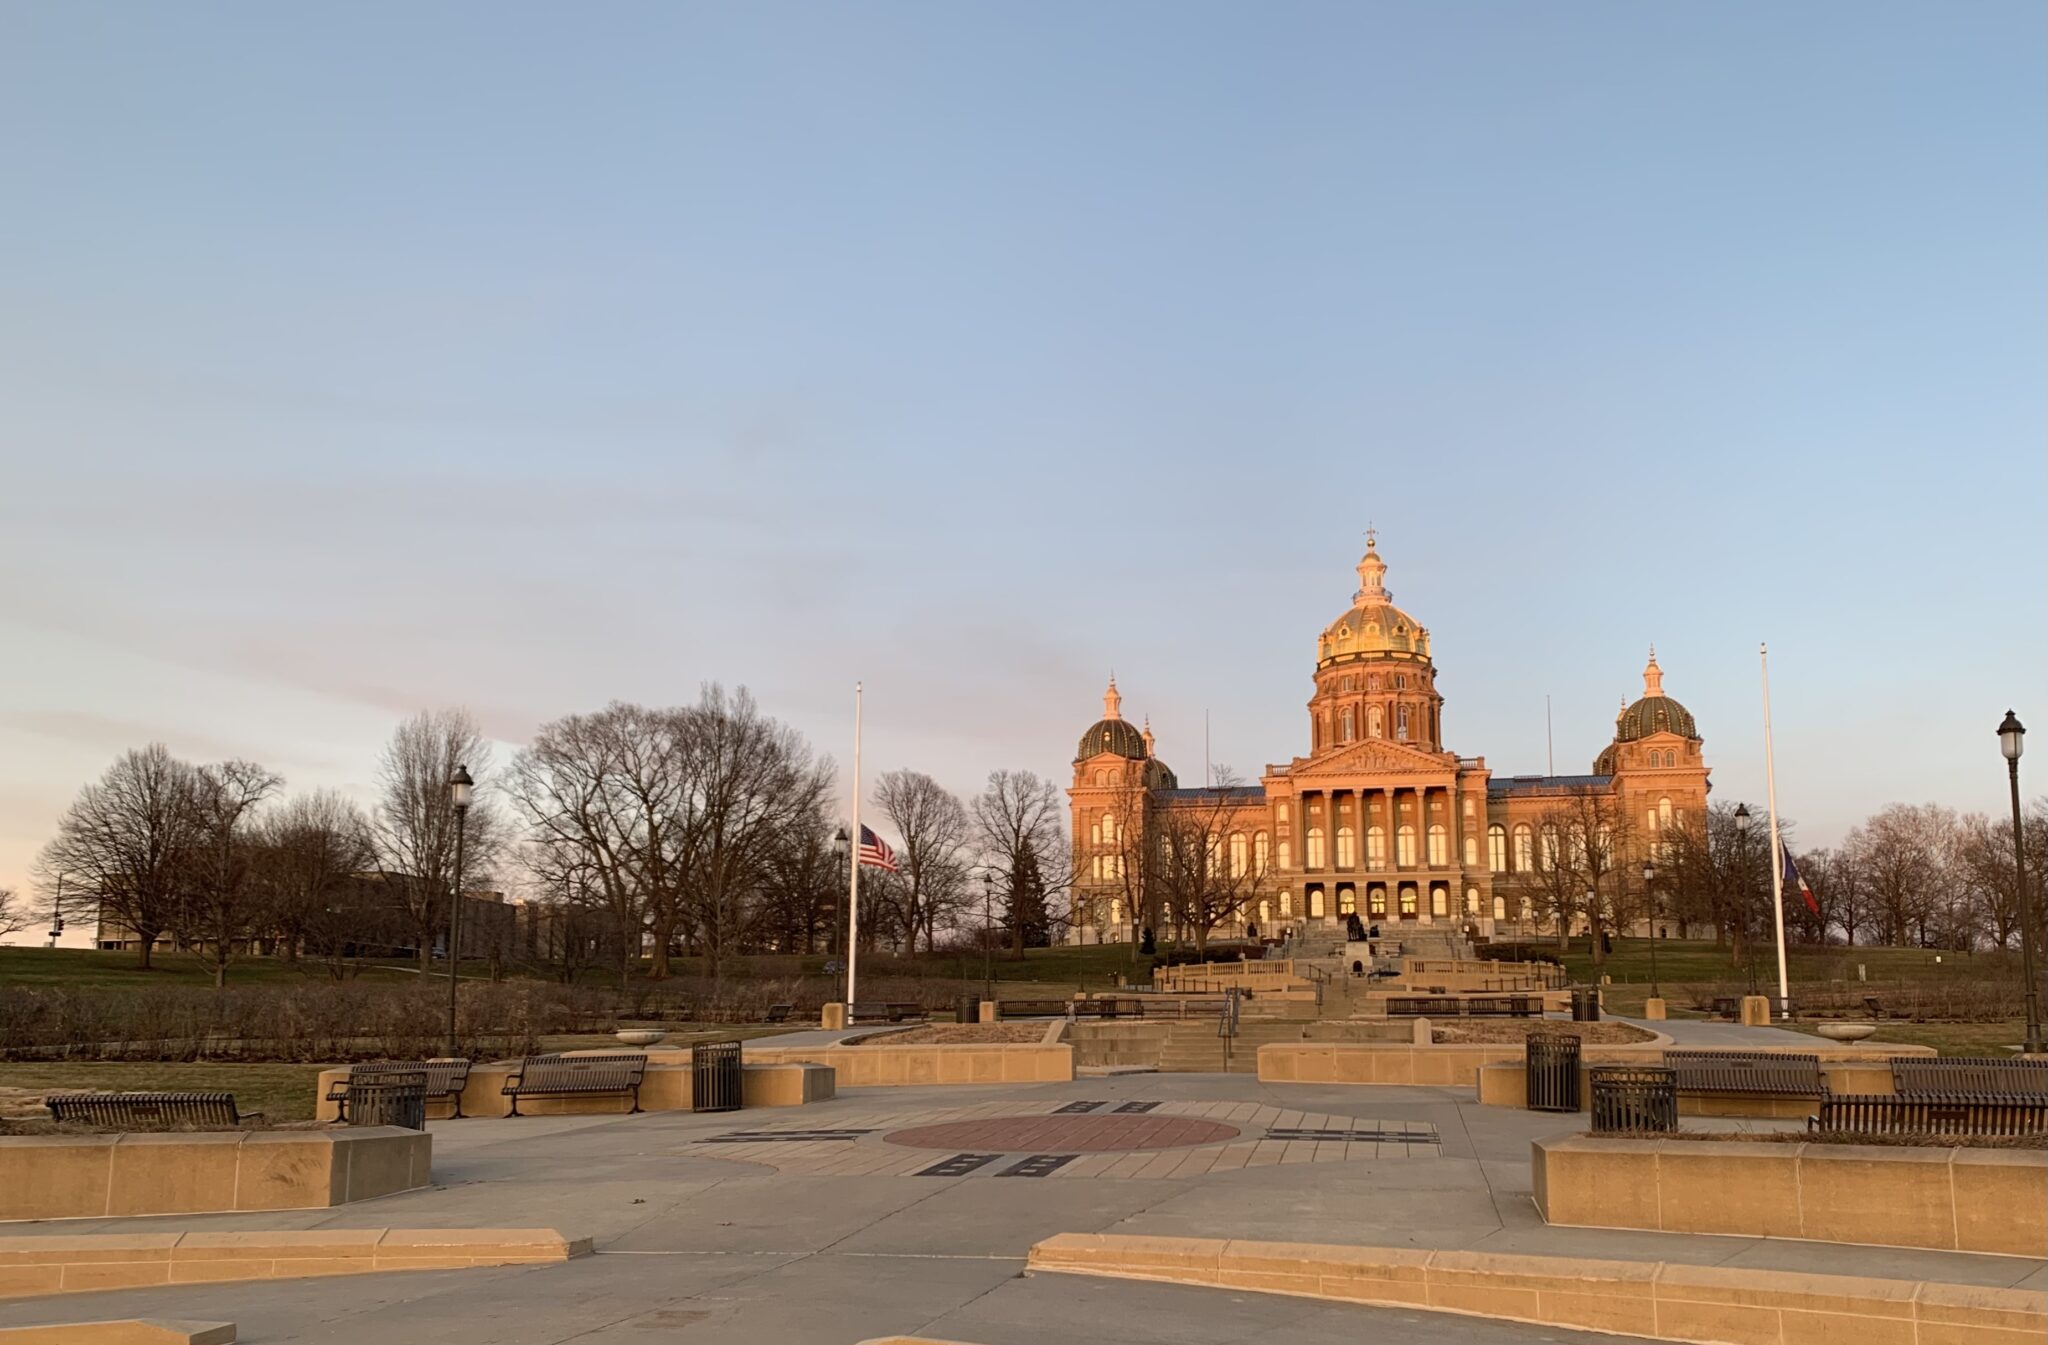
<point x="1112" y="732"/>
<point x="1373" y="626"/>
<point x="1655" y="712"/>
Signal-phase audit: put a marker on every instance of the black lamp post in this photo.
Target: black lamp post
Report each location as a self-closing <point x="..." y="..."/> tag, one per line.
<point x="841" y="843"/>
<point x="988" y="933"/>
<point x="459" y="787"/>
<point x="1650" y="900"/>
<point x="2011" y="736"/>
<point x="1742" y="879"/>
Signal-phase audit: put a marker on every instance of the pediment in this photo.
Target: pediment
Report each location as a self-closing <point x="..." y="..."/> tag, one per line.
<point x="1375" y="756"/>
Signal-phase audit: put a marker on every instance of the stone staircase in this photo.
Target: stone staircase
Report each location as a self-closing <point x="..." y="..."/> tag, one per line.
<point x="1194" y="1048"/>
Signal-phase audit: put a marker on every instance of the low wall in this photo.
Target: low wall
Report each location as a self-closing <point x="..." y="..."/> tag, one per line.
<point x="98" y="1176"/>
<point x="133" y="1331"/>
<point x="1638" y="1298"/>
<point x="1969" y="1200"/>
<point x="32" y="1266"/>
<point x="666" y="1086"/>
<point x="1462" y="1064"/>
<point x="1508" y="1086"/>
<point x="902" y="1066"/>
<point x="791" y="1084"/>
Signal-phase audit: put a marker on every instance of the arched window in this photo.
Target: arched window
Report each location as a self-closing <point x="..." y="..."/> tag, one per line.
<point x="1372" y="682"/>
<point x="1280" y="812"/>
<point x="1650" y="819"/>
<point x="1349" y="725"/>
<point x="1095" y="831"/>
<point x="1286" y="902"/>
<point x="1400" y="681"/>
<point x="1315" y="901"/>
<point x="1374" y="726"/>
<point x="1376" y="900"/>
<point x="1376" y="847"/>
<point x="1468" y="806"/>
<point x="1472" y="902"/>
<point x="1400" y="723"/>
<point x="1500" y="908"/>
<point x="1497" y="848"/>
<point x="1237" y="854"/>
<point x="1439" y="845"/>
<point x="1664" y="814"/>
<point x="1347" y="684"/>
<point x="1116" y="911"/>
<point x="1471" y="851"/>
<point x="1407" y="901"/>
<point x="1347" y="899"/>
<point x="1553" y="848"/>
<point x="1525" y="848"/>
<point x="1347" y="847"/>
<point x="1404" y="846"/>
<point x="1439" y="901"/>
<point x="1313" y="855"/>
<point x="1265" y="913"/>
<point x="1261" y="852"/>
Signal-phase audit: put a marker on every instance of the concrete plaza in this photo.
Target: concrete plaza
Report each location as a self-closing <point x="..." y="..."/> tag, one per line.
<point x="832" y="1223"/>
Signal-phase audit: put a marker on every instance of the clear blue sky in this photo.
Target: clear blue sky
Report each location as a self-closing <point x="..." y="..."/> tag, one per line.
<point x="366" y="358"/>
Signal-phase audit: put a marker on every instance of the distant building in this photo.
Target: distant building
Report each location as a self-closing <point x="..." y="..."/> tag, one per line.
<point x="1380" y="818"/>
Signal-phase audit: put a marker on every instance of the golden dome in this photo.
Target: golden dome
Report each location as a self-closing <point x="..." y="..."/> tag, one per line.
<point x="1373" y="626"/>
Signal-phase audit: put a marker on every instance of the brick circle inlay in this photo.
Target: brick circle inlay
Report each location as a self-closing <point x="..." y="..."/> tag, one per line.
<point x="1065" y="1134"/>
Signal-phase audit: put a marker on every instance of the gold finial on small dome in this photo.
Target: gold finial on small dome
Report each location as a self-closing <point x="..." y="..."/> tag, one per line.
<point x="1653" y="676"/>
<point x="1372" y="573"/>
<point x="1148" y="735"/>
<point x="1112" y="703"/>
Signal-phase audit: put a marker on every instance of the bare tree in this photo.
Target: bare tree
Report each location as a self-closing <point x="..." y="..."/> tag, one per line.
<point x="127" y="839"/>
<point x="14" y="913"/>
<point x="1720" y="875"/>
<point x="806" y="886"/>
<point x="1901" y="852"/>
<point x="221" y="910"/>
<point x="310" y="852"/>
<point x="1017" y="826"/>
<point x="1205" y="869"/>
<point x="1587" y="840"/>
<point x="415" y="821"/>
<point x="934" y="829"/>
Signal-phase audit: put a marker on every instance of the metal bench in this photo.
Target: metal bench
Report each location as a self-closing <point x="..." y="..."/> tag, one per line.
<point x="148" y="1111"/>
<point x="893" y="1012"/>
<point x="1407" y="1007"/>
<point x="1972" y="1076"/>
<point x="1759" y="1073"/>
<point x="1931" y="1114"/>
<point x="778" y="1013"/>
<point x="576" y="1076"/>
<point x="1033" y="1008"/>
<point x="1501" y="1006"/>
<point x="445" y="1081"/>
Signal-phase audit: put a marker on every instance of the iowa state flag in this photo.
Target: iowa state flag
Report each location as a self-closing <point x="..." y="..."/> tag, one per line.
<point x="1793" y="879"/>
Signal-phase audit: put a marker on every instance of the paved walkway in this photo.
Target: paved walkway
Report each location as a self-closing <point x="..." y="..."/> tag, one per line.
<point x="1705" y="1032"/>
<point x="703" y="1237"/>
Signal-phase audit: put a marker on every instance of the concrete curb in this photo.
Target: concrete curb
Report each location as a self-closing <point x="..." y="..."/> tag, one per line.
<point x="133" y="1331"/>
<point x="1710" y="1305"/>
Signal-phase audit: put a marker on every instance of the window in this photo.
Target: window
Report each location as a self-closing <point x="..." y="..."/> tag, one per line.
<point x="1407" y="901"/>
<point x="1315" y="901"/>
<point x="1372" y="683"/>
<point x="1401" y="723"/>
<point x="1472" y="902"/>
<point x="1439" y="846"/>
<point x="1280" y="813"/>
<point x="1376" y="901"/>
<point x="1237" y="854"/>
<point x="1373" y="724"/>
<point x="1313" y="855"/>
<point x="1650" y="819"/>
<point x="1439" y="901"/>
<point x="1525" y="848"/>
<point x="1664" y="813"/>
<point x="1347" y="683"/>
<point x="1347" y="899"/>
<point x="1376" y="847"/>
<point x="1500" y="908"/>
<point x="1095" y="831"/>
<point x="1400" y="681"/>
<point x="1497" y="848"/>
<point x="1468" y="808"/>
<point x="1471" y="851"/>
<point x="1404" y="846"/>
<point x="1285" y="854"/>
<point x="1286" y="903"/>
<point x="1349" y="726"/>
<point x="1553" y="848"/>
<point x="1347" y="848"/>
<point x="1261" y="852"/>
<point x="1116" y="911"/>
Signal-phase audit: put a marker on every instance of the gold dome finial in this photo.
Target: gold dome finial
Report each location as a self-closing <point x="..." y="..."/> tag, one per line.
<point x="1372" y="573"/>
<point x="1112" y="703"/>
<point x="1653" y="676"/>
<point x="1148" y="735"/>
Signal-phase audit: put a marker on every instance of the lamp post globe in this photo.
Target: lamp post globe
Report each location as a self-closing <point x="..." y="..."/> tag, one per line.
<point x="2011" y="742"/>
<point x="460" y="789"/>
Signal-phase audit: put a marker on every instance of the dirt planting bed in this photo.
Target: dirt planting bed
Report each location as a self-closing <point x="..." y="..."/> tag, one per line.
<point x="958" y="1034"/>
<point x="1512" y="1030"/>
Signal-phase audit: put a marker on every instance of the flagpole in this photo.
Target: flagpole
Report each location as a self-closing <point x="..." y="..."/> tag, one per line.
<point x="853" y="855"/>
<point x="1777" y="844"/>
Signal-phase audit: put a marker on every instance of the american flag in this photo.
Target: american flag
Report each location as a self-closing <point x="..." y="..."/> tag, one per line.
<point x="1795" y="879"/>
<point x="875" y="851"/>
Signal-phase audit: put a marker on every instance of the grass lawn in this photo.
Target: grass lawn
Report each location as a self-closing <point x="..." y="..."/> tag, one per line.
<point x="1698" y="961"/>
<point x="1975" y="1039"/>
<point x="677" y="1036"/>
<point x="280" y="1092"/>
<point x="90" y="966"/>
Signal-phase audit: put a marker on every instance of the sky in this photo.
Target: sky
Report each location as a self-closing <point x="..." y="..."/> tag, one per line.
<point x="357" y="360"/>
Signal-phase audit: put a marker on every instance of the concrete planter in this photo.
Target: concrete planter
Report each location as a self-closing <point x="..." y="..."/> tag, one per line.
<point x="1969" y="1200"/>
<point x="97" y="1176"/>
<point x="1847" y="1031"/>
<point x="641" y="1036"/>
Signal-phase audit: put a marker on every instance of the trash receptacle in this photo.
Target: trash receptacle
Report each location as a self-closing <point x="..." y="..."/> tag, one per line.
<point x="1551" y="1071"/>
<point x="969" y="1009"/>
<point x="1629" y="1099"/>
<point x="715" y="1076"/>
<point x="1586" y="1004"/>
<point x="387" y="1097"/>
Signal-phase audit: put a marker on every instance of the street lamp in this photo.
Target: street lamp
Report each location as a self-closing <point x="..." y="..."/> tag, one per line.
<point x="841" y="842"/>
<point x="2011" y="735"/>
<point x="459" y="787"/>
<point x="1650" y="900"/>
<point x="988" y="933"/>
<point x="1742" y="878"/>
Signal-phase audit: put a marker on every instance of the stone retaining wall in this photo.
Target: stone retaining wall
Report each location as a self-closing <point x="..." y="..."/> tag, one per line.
<point x="1970" y="1200"/>
<point x="1661" y="1301"/>
<point x="64" y="1265"/>
<point x="666" y="1086"/>
<point x="1460" y="1064"/>
<point x="900" y="1066"/>
<point x="97" y="1176"/>
<point x="1508" y="1086"/>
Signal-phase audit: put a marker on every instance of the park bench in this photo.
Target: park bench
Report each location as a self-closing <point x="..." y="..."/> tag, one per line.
<point x="445" y="1081"/>
<point x="1874" y="1006"/>
<point x="1916" y="1076"/>
<point x="892" y="1012"/>
<point x="1932" y="1114"/>
<point x="1726" y="1006"/>
<point x="778" y="1013"/>
<point x="576" y="1076"/>
<point x="148" y="1111"/>
<point x="1034" y="1008"/>
<point x="1755" y="1073"/>
<point x="1465" y="1006"/>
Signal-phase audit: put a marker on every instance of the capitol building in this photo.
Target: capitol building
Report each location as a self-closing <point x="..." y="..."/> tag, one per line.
<point x="1379" y="817"/>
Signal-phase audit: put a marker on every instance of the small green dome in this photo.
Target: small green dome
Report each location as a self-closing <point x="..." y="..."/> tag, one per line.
<point x="1111" y="735"/>
<point x="1655" y="714"/>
